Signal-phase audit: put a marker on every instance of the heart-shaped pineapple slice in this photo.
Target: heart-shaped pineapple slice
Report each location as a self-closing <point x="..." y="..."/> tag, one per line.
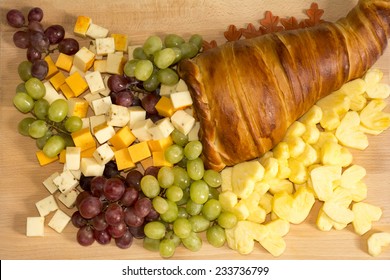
<point x="376" y="242"/>
<point x="373" y="117"/>
<point x="349" y="133"/>
<point x="365" y="214"/>
<point x="323" y="179"/>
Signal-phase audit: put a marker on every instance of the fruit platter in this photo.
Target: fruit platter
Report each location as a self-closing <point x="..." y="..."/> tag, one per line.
<point x="125" y="136"/>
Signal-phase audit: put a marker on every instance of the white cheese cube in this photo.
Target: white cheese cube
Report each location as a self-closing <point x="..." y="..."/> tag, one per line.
<point x="181" y="86"/>
<point x="95" y="31"/>
<point x="46" y="205"/>
<point x="106" y="91"/>
<point x="102" y="105"/>
<point x="59" y="221"/>
<point x="162" y="129"/>
<point x="51" y="94"/>
<point x="141" y="130"/>
<point x="95" y="82"/>
<point x="105" y="46"/>
<point x="66" y="181"/>
<point x="189" y="110"/>
<point x="182" y="121"/>
<point x="69" y="199"/>
<point x="49" y="184"/>
<point x="115" y="63"/>
<point x="35" y="226"/>
<point x="90" y="167"/>
<point x="74" y="68"/>
<point x="72" y="158"/>
<point x="193" y="135"/>
<point x="104" y="134"/>
<point x="136" y="114"/>
<point x="83" y="59"/>
<point x="166" y="90"/>
<point x="118" y="116"/>
<point x="85" y="122"/>
<point x="181" y="99"/>
<point x="130" y="50"/>
<point x="103" y="154"/>
<point x="89" y="97"/>
<point x="96" y="120"/>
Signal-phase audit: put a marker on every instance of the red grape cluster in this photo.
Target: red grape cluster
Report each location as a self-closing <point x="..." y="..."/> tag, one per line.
<point x="113" y="207"/>
<point x="37" y="40"/>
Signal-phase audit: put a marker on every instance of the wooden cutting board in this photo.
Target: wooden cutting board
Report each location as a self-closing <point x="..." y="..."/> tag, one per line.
<point x="21" y="176"/>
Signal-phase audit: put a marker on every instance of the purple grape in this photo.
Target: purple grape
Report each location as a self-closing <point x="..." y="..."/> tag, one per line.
<point x="85" y="236"/>
<point x="149" y="103"/>
<point x="133" y="179"/>
<point x="35" y="14"/>
<point x="125" y="241"/>
<point x="77" y="220"/>
<point x="142" y="207"/>
<point x="117" y="83"/>
<point x="111" y="170"/>
<point x="97" y="185"/>
<point x="21" y="39"/>
<point x="32" y="54"/>
<point x="136" y="101"/>
<point x="152" y="216"/>
<point x="90" y="207"/>
<point x="137" y="232"/>
<point x="102" y="237"/>
<point x="55" y="33"/>
<point x="118" y="230"/>
<point x="35" y="26"/>
<point x="129" y="196"/>
<point x="113" y="189"/>
<point x="39" y="69"/>
<point x="15" y="18"/>
<point x="114" y="214"/>
<point x="131" y="219"/>
<point x="68" y="46"/>
<point x="39" y="41"/>
<point x="152" y="170"/>
<point x="124" y="98"/>
<point x="80" y="198"/>
<point x="99" y="222"/>
<point x="85" y="182"/>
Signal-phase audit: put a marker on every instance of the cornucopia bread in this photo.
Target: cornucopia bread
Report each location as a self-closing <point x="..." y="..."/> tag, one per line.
<point x="248" y="92"/>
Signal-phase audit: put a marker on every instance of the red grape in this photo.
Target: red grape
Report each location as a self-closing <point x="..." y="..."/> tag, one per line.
<point x="152" y="170"/>
<point x="85" y="236"/>
<point x="35" y="26"/>
<point x="35" y="14"/>
<point x="137" y="232"/>
<point x="118" y="230"/>
<point x="125" y="241"/>
<point x="15" y="18"/>
<point x="80" y="198"/>
<point x="142" y="207"/>
<point x="99" y="222"/>
<point x="39" y="41"/>
<point x="21" y="39"/>
<point x="55" y="33"/>
<point x="152" y="216"/>
<point x="111" y="170"/>
<point x="85" y="182"/>
<point x="124" y="98"/>
<point x="114" y="214"/>
<point x="90" y="206"/>
<point x="32" y="54"/>
<point x="77" y="220"/>
<point x="97" y="185"/>
<point x="113" y="189"/>
<point x="131" y="219"/>
<point x="133" y="179"/>
<point x="149" y="103"/>
<point x="68" y="46"/>
<point x="129" y="196"/>
<point x="117" y="83"/>
<point x="102" y="237"/>
<point x="39" y="69"/>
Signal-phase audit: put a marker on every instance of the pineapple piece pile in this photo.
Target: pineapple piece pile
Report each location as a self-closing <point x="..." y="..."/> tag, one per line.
<point x="312" y="163"/>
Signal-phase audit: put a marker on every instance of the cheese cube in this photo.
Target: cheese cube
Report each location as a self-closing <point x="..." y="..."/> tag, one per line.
<point x="103" y="154"/>
<point x="123" y="159"/>
<point x="181" y="86"/>
<point x="57" y="80"/>
<point x="193" y="135"/>
<point x="76" y="69"/>
<point x="65" y="181"/>
<point x="136" y="113"/>
<point x="103" y="132"/>
<point x="64" y="62"/>
<point x="165" y="107"/>
<point x="73" y="156"/>
<point x="90" y="167"/>
<point x="95" y="31"/>
<point x="83" y="59"/>
<point x="67" y="91"/>
<point x="100" y="65"/>
<point x="46" y="205"/>
<point x="95" y="81"/>
<point x="82" y="25"/>
<point x="141" y="130"/>
<point x="52" y="68"/>
<point x="181" y="99"/>
<point x="84" y="139"/>
<point x="102" y="105"/>
<point x="89" y="97"/>
<point x="130" y="50"/>
<point x="145" y="163"/>
<point x="106" y="91"/>
<point x="62" y="156"/>
<point x="115" y="62"/>
<point x="161" y="144"/>
<point x="139" y="151"/>
<point x="77" y="107"/>
<point x="105" y="46"/>
<point x="69" y="199"/>
<point x="166" y="90"/>
<point x="43" y="159"/>
<point x="123" y="138"/>
<point x="88" y="153"/>
<point x="96" y="120"/>
<point x="49" y="184"/>
<point x="121" y="42"/>
<point x="51" y="94"/>
<point x="35" y="226"/>
<point x="118" y="116"/>
<point x="182" y="121"/>
<point x="159" y="159"/>
<point x="59" y="221"/>
<point x="76" y="83"/>
<point x="162" y="129"/>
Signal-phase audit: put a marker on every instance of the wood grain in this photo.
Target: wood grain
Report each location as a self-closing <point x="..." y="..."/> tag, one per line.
<point x="21" y="176"/>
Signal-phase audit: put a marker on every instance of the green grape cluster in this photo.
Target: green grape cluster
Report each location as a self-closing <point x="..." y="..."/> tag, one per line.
<point x="154" y="62"/>
<point x="186" y="197"/>
<point x="49" y="124"/>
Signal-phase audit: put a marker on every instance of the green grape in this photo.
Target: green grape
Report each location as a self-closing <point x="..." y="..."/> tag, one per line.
<point x="173" y="40"/>
<point x="193" y="208"/>
<point x="24" y="125"/>
<point x="67" y="138"/>
<point x="199" y="223"/>
<point x="188" y="50"/>
<point x="54" y="146"/>
<point x="182" y="213"/>
<point x="171" y="214"/>
<point x="227" y="220"/>
<point x="23" y="102"/>
<point x="143" y="69"/>
<point x="199" y="192"/>
<point x="167" y="76"/>
<point x="35" y="88"/>
<point x="41" y="142"/>
<point x="192" y="242"/>
<point x="150" y="186"/>
<point x="178" y="55"/>
<point x="151" y="244"/>
<point x="185" y="198"/>
<point x="138" y="53"/>
<point x="24" y="70"/>
<point x="41" y="107"/>
<point x="38" y="129"/>
<point x="152" y="44"/>
<point x="164" y="58"/>
<point x="21" y="87"/>
<point x="182" y="227"/>
<point x="179" y="138"/>
<point x="172" y="236"/>
<point x="182" y="163"/>
<point x="152" y="83"/>
<point x="174" y="193"/>
<point x="73" y="123"/>
<point x="193" y="149"/>
<point x="216" y="236"/>
<point x="197" y="40"/>
<point x="213" y="193"/>
<point x="167" y="248"/>
<point x="155" y="230"/>
<point x="58" y="110"/>
<point x="165" y="177"/>
<point x="174" y="153"/>
<point x="195" y="169"/>
<point x="181" y="178"/>
<point x="160" y="204"/>
<point x="212" y="178"/>
<point x="129" y="67"/>
<point x="211" y="209"/>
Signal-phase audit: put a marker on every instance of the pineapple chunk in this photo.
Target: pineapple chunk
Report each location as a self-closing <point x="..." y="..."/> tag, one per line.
<point x="244" y="177"/>
<point x="354" y="87"/>
<point x="274" y="244"/>
<point x="378" y="91"/>
<point x="349" y="134"/>
<point x="365" y="214"/>
<point x="372" y="116"/>
<point x="280" y="185"/>
<point x="373" y="77"/>
<point x="352" y="176"/>
<point x="311" y="135"/>
<point x="226" y="176"/>
<point x="271" y="168"/>
<point x="322" y="179"/>
<point x="338" y="102"/>
<point x="228" y="200"/>
<point x="312" y="117"/>
<point x="296" y="129"/>
<point x="266" y="202"/>
<point x="338" y="213"/>
<point x="376" y="242"/>
<point x="281" y="151"/>
<point x="298" y="174"/>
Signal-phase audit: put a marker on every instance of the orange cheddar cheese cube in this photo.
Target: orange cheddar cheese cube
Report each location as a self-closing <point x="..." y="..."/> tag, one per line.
<point x="64" y="62"/>
<point x="76" y="83"/>
<point x="123" y="159"/>
<point x="62" y="156"/>
<point x="81" y="26"/>
<point x="165" y="107"/>
<point x="139" y="151"/>
<point x="145" y="163"/>
<point x="100" y="65"/>
<point x="123" y="138"/>
<point x="83" y="138"/>
<point x="43" y="159"/>
<point x="121" y="42"/>
<point x="52" y="68"/>
<point x="66" y="91"/>
<point x="160" y="145"/>
<point x="57" y="80"/>
<point x="78" y="107"/>
<point x="159" y="159"/>
<point x="88" y="153"/>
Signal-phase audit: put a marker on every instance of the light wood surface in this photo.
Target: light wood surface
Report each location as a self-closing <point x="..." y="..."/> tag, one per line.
<point x="21" y="176"/>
